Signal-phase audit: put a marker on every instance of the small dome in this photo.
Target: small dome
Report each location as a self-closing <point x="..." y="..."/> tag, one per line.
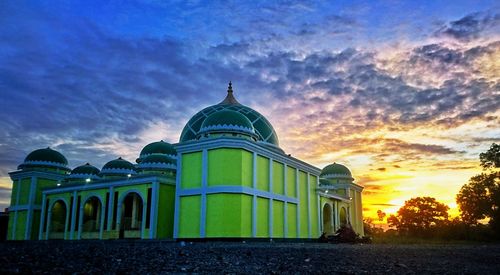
<point x="118" y="167"/>
<point x="227" y="121"/>
<point x="45" y="158"/>
<point x="86" y="171"/>
<point x="159" y="147"/>
<point x="335" y="169"/>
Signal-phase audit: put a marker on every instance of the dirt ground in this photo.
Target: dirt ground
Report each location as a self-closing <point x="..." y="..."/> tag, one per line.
<point x="240" y="257"/>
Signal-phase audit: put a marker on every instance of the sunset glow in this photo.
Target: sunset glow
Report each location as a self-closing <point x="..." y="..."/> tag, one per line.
<point x="405" y="94"/>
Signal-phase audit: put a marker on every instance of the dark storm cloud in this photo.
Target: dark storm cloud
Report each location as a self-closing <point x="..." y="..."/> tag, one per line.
<point x="470" y="27"/>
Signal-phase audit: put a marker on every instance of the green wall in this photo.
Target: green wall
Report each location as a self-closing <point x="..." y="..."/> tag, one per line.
<point x="290" y="185"/>
<point x="229" y="167"/>
<point x="303" y="204"/>
<point x="191" y="170"/>
<point x="229" y="215"/>
<point x="262" y="173"/>
<point x="278" y="219"/>
<point x="189" y="220"/>
<point x="292" y="220"/>
<point x="262" y="217"/>
<point x="278" y="178"/>
<point x="166" y="204"/>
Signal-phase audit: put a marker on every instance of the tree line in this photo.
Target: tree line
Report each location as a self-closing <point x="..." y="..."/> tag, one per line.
<point x="478" y="202"/>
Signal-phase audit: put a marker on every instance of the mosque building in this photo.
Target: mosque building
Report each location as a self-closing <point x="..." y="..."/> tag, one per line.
<point x="227" y="177"/>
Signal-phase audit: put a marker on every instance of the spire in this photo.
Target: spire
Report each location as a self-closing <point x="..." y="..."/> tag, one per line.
<point x="229" y="100"/>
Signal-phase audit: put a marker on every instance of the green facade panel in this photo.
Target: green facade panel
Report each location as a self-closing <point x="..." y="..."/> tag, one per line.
<point x="165" y="211"/>
<point x="292" y="220"/>
<point x="278" y="178"/>
<point x="189" y="220"/>
<point x="303" y="205"/>
<point x="290" y="182"/>
<point x="262" y="218"/>
<point x="229" y="215"/>
<point x="278" y="219"/>
<point x="229" y="167"/>
<point x="262" y="173"/>
<point x="24" y="192"/>
<point x="313" y="206"/>
<point x="22" y="221"/>
<point x="191" y="170"/>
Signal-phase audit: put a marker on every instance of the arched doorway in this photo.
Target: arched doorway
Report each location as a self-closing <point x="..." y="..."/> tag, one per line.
<point x="343" y="216"/>
<point x="91" y="222"/>
<point x="57" y="220"/>
<point x="327" y="219"/>
<point x="132" y="218"/>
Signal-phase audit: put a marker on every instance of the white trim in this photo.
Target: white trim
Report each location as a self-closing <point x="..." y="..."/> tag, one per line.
<point x="236" y="189"/>
<point x="318" y="207"/>
<point x="145" y="165"/>
<point x="29" y="216"/>
<point x="73" y="215"/>
<point x="153" y="221"/>
<point x="334" y="196"/>
<point x="270" y="186"/>
<point x="24" y="207"/>
<point x="254" y="199"/>
<point x="308" y="207"/>
<point x="42" y="217"/>
<point x="117" y="183"/>
<point x="47" y="163"/>
<point x="297" y="192"/>
<point x="204" y="176"/>
<point x="46" y="175"/>
<point x="285" y="210"/>
<point x="177" y="195"/>
<point x="19" y="183"/>
<point x="111" y="203"/>
<point x="117" y="171"/>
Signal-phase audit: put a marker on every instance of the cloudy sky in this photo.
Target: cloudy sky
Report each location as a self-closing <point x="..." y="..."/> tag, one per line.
<point x="406" y="93"/>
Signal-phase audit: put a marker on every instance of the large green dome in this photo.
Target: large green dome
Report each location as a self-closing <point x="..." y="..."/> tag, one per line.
<point x="118" y="166"/>
<point x="45" y="158"/>
<point x="159" y="147"/>
<point x="335" y="169"/>
<point x="263" y="128"/>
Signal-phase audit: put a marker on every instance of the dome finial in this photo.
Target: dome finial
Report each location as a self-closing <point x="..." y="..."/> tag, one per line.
<point x="229" y="100"/>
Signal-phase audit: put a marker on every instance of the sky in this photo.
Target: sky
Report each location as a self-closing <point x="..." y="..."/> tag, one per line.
<point x="405" y="93"/>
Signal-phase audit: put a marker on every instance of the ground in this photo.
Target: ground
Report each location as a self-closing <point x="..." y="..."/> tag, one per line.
<point x="240" y="257"/>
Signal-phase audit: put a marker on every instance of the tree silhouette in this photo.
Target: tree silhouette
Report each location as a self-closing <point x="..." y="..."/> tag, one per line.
<point x="419" y="215"/>
<point x="381" y="215"/>
<point x="480" y="197"/>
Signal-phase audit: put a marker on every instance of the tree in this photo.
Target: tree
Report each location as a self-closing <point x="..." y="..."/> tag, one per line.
<point x="491" y="158"/>
<point x="381" y="215"/>
<point x="419" y="215"/>
<point x="480" y="197"/>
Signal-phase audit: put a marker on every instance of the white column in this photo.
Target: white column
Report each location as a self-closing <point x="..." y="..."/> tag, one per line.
<point x="102" y="210"/>
<point x="203" y="210"/>
<point x="31" y="201"/>
<point x="153" y="221"/>
<point x="42" y="217"/>
<point x="73" y="216"/>
<point x="66" y="232"/>
<point x="110" y="208"/>
<point x="271" y="220"/>
<point x="133" y="222"/>
<point x="298" y="199"/>
<point x="254" y="200"/>
<point x="308" y="206"/>
<point x="285" y="218"/>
